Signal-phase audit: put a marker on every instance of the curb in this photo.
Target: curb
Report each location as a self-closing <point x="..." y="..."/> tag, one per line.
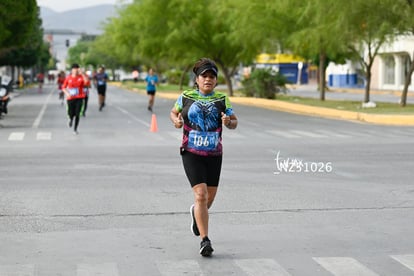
<point x="380" y="119"/>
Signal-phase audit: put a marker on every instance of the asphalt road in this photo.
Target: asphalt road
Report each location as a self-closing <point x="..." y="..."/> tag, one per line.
<point x="298" y="195"/>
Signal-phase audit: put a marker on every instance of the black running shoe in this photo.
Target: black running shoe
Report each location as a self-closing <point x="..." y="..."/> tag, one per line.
<point x="70" y="122"/>
<point x="205" y="248"/>
<point x="194" y="227"/>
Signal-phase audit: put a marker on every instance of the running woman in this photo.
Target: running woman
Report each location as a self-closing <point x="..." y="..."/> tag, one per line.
<point x="202" y="113"/>
<point x="152" y="82"/>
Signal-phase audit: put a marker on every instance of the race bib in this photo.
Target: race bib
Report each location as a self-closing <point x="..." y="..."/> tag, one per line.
<point x="101" y="82"/>
<point x="203" y="140"/>
<point x="73" y="91"/>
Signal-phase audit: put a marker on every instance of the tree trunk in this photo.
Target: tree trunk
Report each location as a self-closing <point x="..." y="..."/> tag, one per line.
<point x="367" y="85"/>
<point x="113" y="75"/>
<point x="403" y="101"/>
<point x="13" y="71"/>
<point x="322" y="75"/>
<point x="183" y="73"/>
<point x="228" y="82"/>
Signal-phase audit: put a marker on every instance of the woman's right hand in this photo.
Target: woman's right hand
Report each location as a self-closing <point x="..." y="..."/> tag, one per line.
<point x="179" y="122"/>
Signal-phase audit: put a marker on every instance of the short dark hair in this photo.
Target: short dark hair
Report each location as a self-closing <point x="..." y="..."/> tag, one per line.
<point x="203" y="65"/>
<point x="75" y="65"/>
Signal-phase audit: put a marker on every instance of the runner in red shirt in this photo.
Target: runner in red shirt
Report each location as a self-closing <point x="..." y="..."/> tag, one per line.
<point x="60" y="80"/>
<point x="75" y="95"/>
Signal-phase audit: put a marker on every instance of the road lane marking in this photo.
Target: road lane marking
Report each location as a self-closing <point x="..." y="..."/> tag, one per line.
<point x="308" y="134"/>
<point x="328" y="133"/>
<point x="261" y="267"/>
<point x="133" y="117"/>
<point x="39" y="117"/>
<point x="16" y="136"/>
<point x="41" y="136"/>
<point x="283" y="134"/>
<point x="104" y="269"/>
<point x="178" y="135"/>
<point x="233" y="135"/>
<point x="17" y="270"/>
<point x="406" y="260"/>
<point x="344" y="266"/>
<point x="179" y="268"/>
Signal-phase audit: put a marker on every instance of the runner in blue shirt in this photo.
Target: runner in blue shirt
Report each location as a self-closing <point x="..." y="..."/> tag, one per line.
<point x="100" y="80"/>
<point x="152" y="82"/>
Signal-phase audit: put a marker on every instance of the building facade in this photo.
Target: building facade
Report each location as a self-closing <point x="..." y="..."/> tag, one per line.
<point x="389" y="70"/>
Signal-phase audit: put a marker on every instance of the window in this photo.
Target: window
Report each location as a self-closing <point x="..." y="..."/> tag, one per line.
<point x="389" y="70"/>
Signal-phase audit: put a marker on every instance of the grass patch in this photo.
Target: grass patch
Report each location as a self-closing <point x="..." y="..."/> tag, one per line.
<point x="356" y="106"/>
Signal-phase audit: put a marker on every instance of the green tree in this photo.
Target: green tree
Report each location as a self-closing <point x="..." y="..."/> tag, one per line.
<point x="181" y="31"/>
<point x="405" y="8"/>
<point x="368" y="25"/>
<point x="31" y="52"/>
<point x="16" y="23"/>
<point x="302" y="27"/>
<point x="318" y="34"/>
<point x="199" y="29"/>
<point x="78" y="52"/>
<point x="107" y="49"/>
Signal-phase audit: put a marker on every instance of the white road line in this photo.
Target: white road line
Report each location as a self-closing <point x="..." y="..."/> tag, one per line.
<point x="179" y="268"/>
<point x="17" y="270"/>
<point x="104" y="269"/>
<point x="16" y="136"/>
<point x="406" y="260"/>
<point x="176" y="134"/>
<point x="344" y="266"/>
<point x="44" y="136"/>
<point x="133" y="117"/>
<point x="261" y="267"/>
<point x="283" y="134"/>
<point x="233" y="135"/>
<point x="308" y="134"/>
<point x="333" y="134"/>
<point x="39" y="117"/>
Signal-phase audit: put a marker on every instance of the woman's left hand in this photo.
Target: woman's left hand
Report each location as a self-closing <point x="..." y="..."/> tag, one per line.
<point x="225" y="119"/>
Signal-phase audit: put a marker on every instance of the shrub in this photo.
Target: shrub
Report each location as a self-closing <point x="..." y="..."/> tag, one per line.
<point x="264" y="83"/>
<point x="174" y="76"/>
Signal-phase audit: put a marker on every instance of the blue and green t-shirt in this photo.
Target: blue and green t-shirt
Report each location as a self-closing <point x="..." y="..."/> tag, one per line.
<point x="202" y="121"/>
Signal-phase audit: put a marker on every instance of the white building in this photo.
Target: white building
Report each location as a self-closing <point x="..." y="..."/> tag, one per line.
<point x="389" y="70"/>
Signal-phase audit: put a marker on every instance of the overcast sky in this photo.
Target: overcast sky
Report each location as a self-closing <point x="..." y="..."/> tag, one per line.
<point x="65" y="5"/>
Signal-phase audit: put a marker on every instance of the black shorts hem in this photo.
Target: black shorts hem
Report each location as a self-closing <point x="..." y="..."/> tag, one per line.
<point x="202" y="169"/>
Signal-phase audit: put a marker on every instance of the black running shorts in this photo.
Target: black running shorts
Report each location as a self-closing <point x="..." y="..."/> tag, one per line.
<point x="101" y="90"/>
<point x="202" y="169"/>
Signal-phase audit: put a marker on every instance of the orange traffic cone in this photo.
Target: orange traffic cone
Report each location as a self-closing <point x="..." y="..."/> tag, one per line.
<point x="154" y="127"/>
